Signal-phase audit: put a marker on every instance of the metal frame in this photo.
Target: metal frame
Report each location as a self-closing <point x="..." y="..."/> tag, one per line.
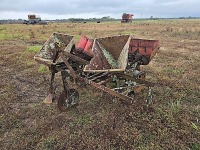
<point x="118" y="82"/>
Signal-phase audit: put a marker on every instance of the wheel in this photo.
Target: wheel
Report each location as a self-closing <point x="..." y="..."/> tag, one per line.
<point x="67" y="99"/>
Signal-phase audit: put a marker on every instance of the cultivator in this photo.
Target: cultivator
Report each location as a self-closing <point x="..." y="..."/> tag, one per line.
<point x="110" y="64"/>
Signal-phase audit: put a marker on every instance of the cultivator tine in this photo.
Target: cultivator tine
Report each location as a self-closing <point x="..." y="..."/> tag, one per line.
<point x="50" y="97"/>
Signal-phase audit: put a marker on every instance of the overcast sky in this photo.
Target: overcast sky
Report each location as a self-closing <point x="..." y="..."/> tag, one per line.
<point x="64" y="9"/>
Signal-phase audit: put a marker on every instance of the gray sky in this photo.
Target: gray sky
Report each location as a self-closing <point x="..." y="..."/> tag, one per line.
<point x="64" y="9"/>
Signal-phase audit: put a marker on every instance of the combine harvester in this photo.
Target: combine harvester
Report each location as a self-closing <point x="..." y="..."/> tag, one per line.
<point x="33" y="19"/>
<point x="110" y="64"/>
<point x="127" y="18"/>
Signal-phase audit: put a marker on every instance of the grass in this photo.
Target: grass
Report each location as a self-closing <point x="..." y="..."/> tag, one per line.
<point x="34" y="48"/>
<point x="49" y="143"/>
<point x="194" y="126"/>
<point x="176" y="106"/>
<point x="171" y="122"/>
<point x="84" y="119"/>
<point x="4" y="36"/>
<point x="30" y="62"/>
<point x="42" y="69"/>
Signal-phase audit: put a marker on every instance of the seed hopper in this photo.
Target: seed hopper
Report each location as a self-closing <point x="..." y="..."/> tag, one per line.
<point x="110" y="64"/>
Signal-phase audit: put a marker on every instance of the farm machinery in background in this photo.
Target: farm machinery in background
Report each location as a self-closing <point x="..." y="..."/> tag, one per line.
<point x="110" y="64"/>
<point x="127" y="18"/>
<point x="33" y="19"/>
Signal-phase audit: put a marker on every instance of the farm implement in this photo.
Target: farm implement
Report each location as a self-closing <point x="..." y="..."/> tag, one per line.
<point x="110" y="64"/>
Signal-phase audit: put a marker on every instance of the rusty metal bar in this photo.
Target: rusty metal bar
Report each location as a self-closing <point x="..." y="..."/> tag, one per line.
<point x="68" y="66"/>
<point x="110" y="91"/>
<point x="105" y="70"/>
<point x="100" y="76"/>
<point x="75" y="58"/>
<point x="105" y="81"/>
<point x="150" y="84"/>
<point x="43" y="61"/>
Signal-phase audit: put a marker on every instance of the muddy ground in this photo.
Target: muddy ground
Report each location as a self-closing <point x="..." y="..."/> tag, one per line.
<point x="101" y="122"/>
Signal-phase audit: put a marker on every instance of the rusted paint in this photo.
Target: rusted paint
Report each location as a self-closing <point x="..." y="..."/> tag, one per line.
<point x="110" y="53"/>
<point x="99" y="61"/>
<point x="48" y="51"/>
<point x="144" y="47"/>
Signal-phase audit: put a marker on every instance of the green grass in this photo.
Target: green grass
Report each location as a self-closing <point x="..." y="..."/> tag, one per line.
<point x="5" y="36"/>
<point x="195" y="146"/>
<point x="176" y="106"/>
<point x="49" y="143"/>
<point x="42" y="69"/>
<point x="194" y="126"/>
<point x="34" y="48"/>
<point x="30" y="62"/>
<point x="84" y="119"/>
